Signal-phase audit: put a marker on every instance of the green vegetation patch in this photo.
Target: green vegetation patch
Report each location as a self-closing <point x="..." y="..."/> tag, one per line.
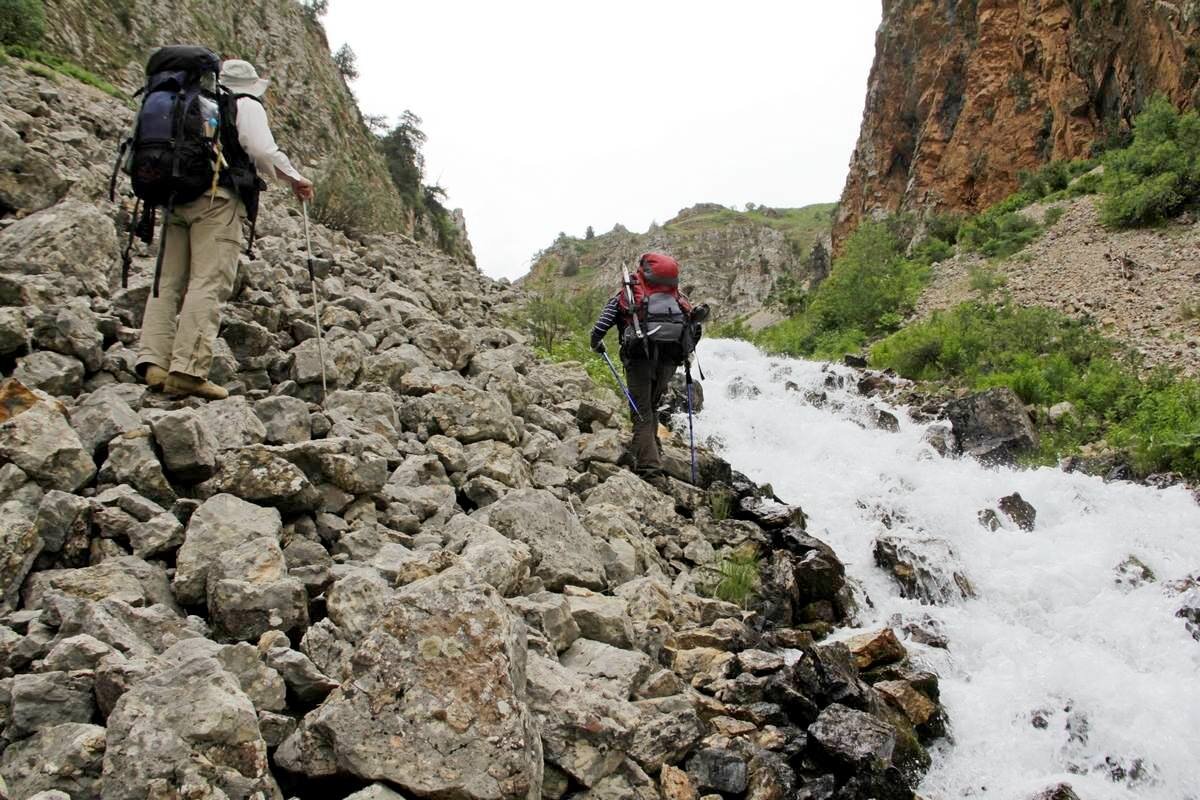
<point x="560" y="325"/>
<point x="738" y="581"/>
<point x="869" y="292"/>
<point x="1048" y="358"/>
<point x="39" y="62"/>
<point x="1158" y="175"/>
<point x="22" y="23"/>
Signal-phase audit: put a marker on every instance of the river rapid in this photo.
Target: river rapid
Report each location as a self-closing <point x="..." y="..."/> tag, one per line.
<point x="1060" y="668"/>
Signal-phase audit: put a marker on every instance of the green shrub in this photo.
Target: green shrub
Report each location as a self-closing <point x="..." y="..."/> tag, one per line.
<point x="341" y="200"/>
<point x="985" y="280"/>
<point x="1158" y="175"/>
<point x="931" y="250"/>
<point x="1053" y="215"/>
<point x="720" y="502"/>
<point x="734" y="329"/>
<point x="22" y="22"/>
<point x="870" y="290"/>
<point x="739" y="577"/>
<point x="998" y="234"/>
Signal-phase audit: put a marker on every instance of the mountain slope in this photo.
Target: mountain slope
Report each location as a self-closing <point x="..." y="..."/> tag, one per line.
<point x="730" y="258"/>
<point x="313" y="112"/>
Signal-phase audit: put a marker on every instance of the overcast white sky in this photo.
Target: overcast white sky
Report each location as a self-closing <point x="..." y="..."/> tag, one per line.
<point x="552" y="116"/>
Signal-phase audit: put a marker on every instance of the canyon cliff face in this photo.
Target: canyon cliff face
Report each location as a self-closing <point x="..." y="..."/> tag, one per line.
<point x="963" y="96"/>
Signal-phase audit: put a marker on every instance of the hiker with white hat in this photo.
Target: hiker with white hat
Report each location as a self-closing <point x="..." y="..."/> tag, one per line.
<point x="202" y="237"/>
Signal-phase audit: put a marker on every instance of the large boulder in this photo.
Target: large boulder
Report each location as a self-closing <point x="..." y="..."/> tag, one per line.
<point x="250" y="592"/>
<point x="188" y="731"/>
<point x="73" y="244"/>
<point x="992" y="426"/>
<point x="437" y="704"/>
<point x="19" y="547"/>
<point x="563" y="550"/>
<point x="585" y="732"/>
<point x="36" y="436"/>
<point x="260" y="475"/>
<point x="221" y="524"/>
<point x="66" y="758"/>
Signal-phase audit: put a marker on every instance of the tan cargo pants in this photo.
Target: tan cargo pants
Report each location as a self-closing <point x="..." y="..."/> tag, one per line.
<point x="199" y="266"/>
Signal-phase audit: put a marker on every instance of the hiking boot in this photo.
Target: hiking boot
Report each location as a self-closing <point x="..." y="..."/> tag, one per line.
<point x="179" y="385"/>
<point x="649" y="473"/>
<point x="154" y="376"/>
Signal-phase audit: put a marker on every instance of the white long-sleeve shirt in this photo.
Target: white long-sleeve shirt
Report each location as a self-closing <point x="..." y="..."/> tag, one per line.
<point x="256" y="139"/>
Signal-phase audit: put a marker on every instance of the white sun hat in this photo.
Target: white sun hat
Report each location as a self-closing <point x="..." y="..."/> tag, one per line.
<point x="240" y="77"/>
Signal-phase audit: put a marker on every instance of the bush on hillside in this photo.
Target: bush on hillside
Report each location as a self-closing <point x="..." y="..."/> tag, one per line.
<point x="342" y="200"/>
<point x="1046" y="358"/>
<point x="1158" y="175"/>
<point x="22" y="22"/>
<point x="870" y="290"/>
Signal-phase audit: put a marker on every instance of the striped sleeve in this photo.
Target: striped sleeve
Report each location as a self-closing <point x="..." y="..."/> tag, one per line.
<point x="608" y="318"/>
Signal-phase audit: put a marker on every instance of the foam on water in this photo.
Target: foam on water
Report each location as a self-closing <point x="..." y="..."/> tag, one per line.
<point x="1108" y="672"/>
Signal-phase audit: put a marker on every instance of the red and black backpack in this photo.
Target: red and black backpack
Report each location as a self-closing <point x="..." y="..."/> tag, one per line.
<point x="663" y="314"/>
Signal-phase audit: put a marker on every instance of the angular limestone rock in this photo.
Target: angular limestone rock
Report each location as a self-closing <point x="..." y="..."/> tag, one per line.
<point x="189" y="725"/>
<point x="437" y="704"/>
<point x="36" y="436"/>
<point x="222" y="523"/>
<point x="66" y="758"/>
<point x="563" y="551"/>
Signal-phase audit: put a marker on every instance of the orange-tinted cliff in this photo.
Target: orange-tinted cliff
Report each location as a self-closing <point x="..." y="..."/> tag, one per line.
<point x="964" y="95"/>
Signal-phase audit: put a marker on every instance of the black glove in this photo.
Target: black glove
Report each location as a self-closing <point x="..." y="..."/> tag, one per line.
<point x="700" y="313"/>
<point x="598" y="344"/>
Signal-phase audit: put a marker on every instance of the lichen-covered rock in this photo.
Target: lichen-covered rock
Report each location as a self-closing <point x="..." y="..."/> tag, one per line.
<point x="36" y="436"/>
<point x="50" y="372"/>
<point x="183" y="729"/>
<point x="260" y="476"/>
<point x="66" y="758"/>
<point x="584" y="732"/>
<point x="437" y="705"/>
<point x="132" y="460"/>
<point x="250" y="592"/>
<point x="45" y="699"/>
<point x="73" y="244"/>
<point x="102" y="416"/>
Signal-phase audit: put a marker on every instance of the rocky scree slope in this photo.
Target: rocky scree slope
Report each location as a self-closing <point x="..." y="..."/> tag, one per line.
<point x="963" y="96"/>
<point x="435" y="581"/>
<point x="731" y="259"/>
<point x="1141" y="286"/>
<point x="313" y="112"/>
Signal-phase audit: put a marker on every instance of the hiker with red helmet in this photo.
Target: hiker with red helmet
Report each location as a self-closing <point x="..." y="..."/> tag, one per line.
<point x="658" y="329"/>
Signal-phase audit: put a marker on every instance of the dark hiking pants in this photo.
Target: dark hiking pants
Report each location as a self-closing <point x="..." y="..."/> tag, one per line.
<point x="648" y="381"/>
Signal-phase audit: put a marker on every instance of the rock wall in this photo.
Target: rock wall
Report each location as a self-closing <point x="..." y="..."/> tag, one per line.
<point x="312" y="111"/>
<point x="965" y="95"/>
<point x="434" y="580"/>
<point x="729" y="259"/>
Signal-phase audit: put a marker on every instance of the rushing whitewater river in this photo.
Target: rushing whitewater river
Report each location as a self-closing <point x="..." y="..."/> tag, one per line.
<point x="1055" y="670"/>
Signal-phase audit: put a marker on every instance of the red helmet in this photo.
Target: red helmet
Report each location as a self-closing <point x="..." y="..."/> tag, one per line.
<point x="659" y="269"/>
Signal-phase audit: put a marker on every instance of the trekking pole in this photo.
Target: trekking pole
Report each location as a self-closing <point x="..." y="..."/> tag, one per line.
<point x="312" y="276"/>
<point x="687" y="367"/>
<point x="617" y="378"/>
